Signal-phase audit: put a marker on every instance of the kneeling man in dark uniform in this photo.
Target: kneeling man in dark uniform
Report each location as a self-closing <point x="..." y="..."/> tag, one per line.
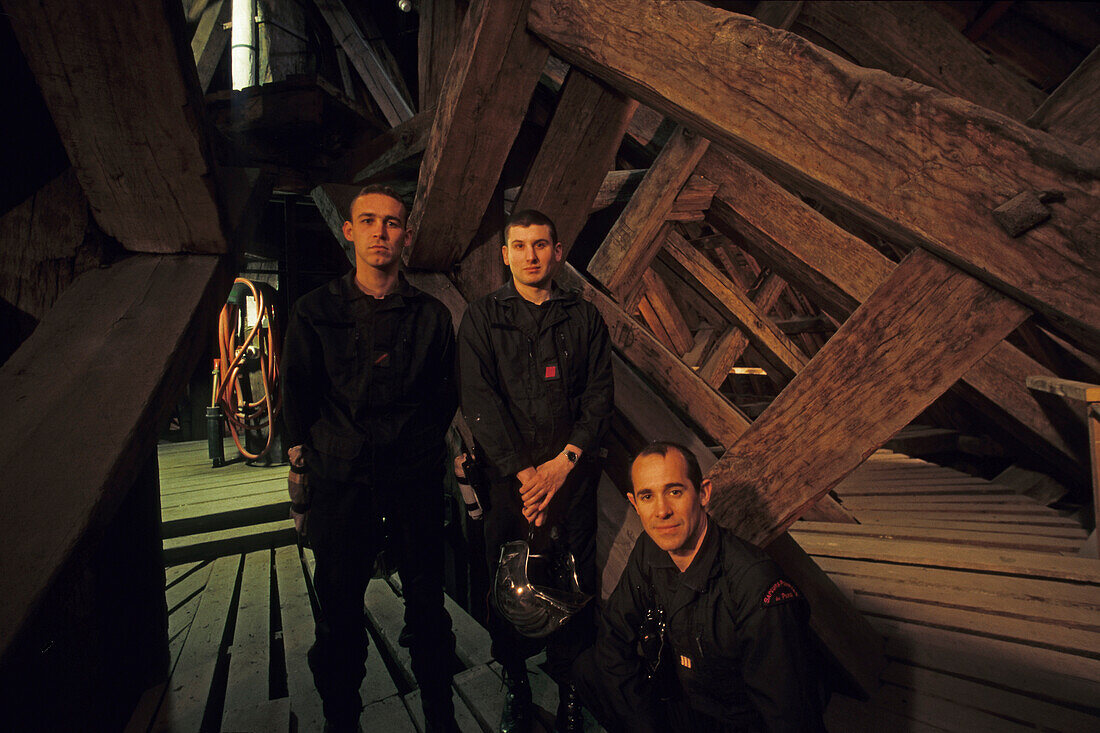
<point x="703" y="633"/>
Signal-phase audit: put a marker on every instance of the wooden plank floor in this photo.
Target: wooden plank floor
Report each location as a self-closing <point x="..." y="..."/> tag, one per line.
<point x="991" y="618"/>
<point x="240" y="627"/>
<point x="209" y="512"/>
<point x="241" y="617"/>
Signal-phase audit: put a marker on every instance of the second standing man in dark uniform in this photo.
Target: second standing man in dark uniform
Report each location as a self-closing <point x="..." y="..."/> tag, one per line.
<point x="537" y="392"/>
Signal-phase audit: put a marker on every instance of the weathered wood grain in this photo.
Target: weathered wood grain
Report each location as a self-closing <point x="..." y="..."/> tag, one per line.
<point x="912" y="40"/>
<point x="1071" y="111"/>
<point x="437" y="36"/>
<point x="780" y="352"/>
<point x="912" y="339"/>
<point x="485" y="96"/>
<point x="109" y="355"/>
<point x="576" y="153"/>
<point x="633" y="240"/>
<point x="918" y="166"/>
<point x="396" y="108"/>
<point x="145" y="167"/>
<point x="381" y="154"/>
<point x="210" y="40"/>
<point x="664" y="369"/>
<point x="841" y="271"/>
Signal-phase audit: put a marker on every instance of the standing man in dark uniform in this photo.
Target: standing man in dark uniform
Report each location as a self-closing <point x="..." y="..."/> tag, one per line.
<point x="724" y="637"/>
<point x="535" y="366"/>
<point x="368" y="372"/>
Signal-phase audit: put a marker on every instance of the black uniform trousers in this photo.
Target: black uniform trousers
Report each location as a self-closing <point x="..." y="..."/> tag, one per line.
<point x="349" y="524"/>
<point x="570" y="527"/>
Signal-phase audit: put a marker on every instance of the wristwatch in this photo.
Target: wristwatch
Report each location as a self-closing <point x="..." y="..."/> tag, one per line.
<point x="572" y="455"/>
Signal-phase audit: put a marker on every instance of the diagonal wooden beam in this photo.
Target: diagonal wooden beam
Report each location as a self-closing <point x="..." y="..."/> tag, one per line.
<point x="633" y="240"/>
<point x="576" y="153"/>
<point x="780" y="352"/>
<point x="119" y="83"/>
<point x="917" y="166"/>
<point x="842" y="271"/>
<point x="915" y="41"/>
<point x="110" y="355"/>
<point x="492" y="75"/>
<point x="372" y="70"/>
<point x="1071" y="110"/>
<point x="667" y="312"/>
<point x="210" y="40"/>
<point x="381" y="154"/>
<point x="437" y="36"/>
<point x="665" y="371"/>
<point x="921" y="330"/>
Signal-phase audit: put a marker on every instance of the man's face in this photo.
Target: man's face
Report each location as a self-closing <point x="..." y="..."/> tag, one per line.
<point x="377" y="229"/>
<point x="671" y="509"/>
<point x="531" y="254"/>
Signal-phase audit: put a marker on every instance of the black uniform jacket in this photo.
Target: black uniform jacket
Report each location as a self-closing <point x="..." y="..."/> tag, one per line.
<point x="737" y="637"/>
<point x="368" y="383"/>
<point x="528" y="392"/>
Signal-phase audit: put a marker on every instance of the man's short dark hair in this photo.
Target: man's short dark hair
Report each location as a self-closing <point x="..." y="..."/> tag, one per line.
<point x="385" y="191"/>
<point x="662" y="447"/>
<point x="527" y="218"/>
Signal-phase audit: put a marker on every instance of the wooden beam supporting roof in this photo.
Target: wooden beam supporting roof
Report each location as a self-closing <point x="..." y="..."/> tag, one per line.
<point x="842" y="271"/>
<point x="381" y="154"/>
<point x="924" y="327"/>
<point x="774" y="345"/>
<point x="914" y="41"/>
<point x="437" y="36"/>
<point x="922" y="168"/>
<point x="389" y="97"/>
<point x="210" y="40"/>
<point x="95" y="379"/>
<point x="1072" y="110"/>
<point x="577" y="152"/>
<point x="485" y="96"/>
<point x="633" y="241"/>
<point x="120" y="84"/>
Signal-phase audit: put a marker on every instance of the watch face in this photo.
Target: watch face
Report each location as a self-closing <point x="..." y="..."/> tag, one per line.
<point x="571" y="455"/>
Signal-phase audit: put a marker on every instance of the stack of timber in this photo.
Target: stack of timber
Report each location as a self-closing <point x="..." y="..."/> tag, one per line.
<point x="991" y="619"/>
<point x="239" y="630"/>
<point x="208" y="512"/>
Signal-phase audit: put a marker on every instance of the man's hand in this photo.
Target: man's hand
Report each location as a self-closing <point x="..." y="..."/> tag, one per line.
<point x="538" y="486"/>
<point x="298" y="488"/>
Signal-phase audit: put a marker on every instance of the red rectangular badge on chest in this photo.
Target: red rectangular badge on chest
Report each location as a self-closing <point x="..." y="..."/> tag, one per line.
<point x="551" y="371"/>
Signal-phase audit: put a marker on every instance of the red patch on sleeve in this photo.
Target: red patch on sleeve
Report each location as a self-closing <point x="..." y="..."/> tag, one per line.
<point x="780" y="592"/>
<point x="551" y="372"/>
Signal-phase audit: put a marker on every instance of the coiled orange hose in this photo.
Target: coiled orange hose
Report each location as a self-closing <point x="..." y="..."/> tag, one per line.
<point x="240" y="414"/>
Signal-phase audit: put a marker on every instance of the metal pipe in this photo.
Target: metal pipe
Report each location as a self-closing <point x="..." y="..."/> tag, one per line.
<point x="243" y="44"/>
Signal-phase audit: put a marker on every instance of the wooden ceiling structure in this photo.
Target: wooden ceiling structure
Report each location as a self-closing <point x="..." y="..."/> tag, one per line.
<point x="876" y="205"/>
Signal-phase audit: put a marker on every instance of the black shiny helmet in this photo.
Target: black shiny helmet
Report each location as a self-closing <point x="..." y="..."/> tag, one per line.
<point x="537" y="594"/>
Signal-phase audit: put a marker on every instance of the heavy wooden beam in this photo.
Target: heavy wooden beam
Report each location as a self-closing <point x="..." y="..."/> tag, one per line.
<point x="921" y="330"/>
<point x="632" y="243"/>
<point x="120" y="84"/>
<point x="774" y="345"/>
<point x="386" y="94"/>
<point x="618" y="187"/>
<point x="914" y="41"/>
<point x="577" y="152"/>
<point x="667" y="312"/>
<point x="842" y="271"/>
<point x="381" y="154"/>
<point x="919" y="167"/>
<point x="110" y="356"/>
<point x="210" y="40"/>
<point x="485" y="96"/>
<point x="666" y="372"/>
<point x="1071" y="111"/>
<point x="437" y="36"/>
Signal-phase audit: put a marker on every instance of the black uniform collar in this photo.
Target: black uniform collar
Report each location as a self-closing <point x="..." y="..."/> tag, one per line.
<point x="346" y="288"/>
<point x="510" y="301"/>
<point x="508" y="292"/>
<point x="695" y="579"/>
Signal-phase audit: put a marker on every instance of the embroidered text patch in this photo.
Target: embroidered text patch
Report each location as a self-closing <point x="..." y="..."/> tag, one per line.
<point x="780" y="592"/>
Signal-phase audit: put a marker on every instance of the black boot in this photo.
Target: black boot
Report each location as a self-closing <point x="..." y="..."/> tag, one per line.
<point x="517" y="713"/>
<point x="570" y="719"/>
